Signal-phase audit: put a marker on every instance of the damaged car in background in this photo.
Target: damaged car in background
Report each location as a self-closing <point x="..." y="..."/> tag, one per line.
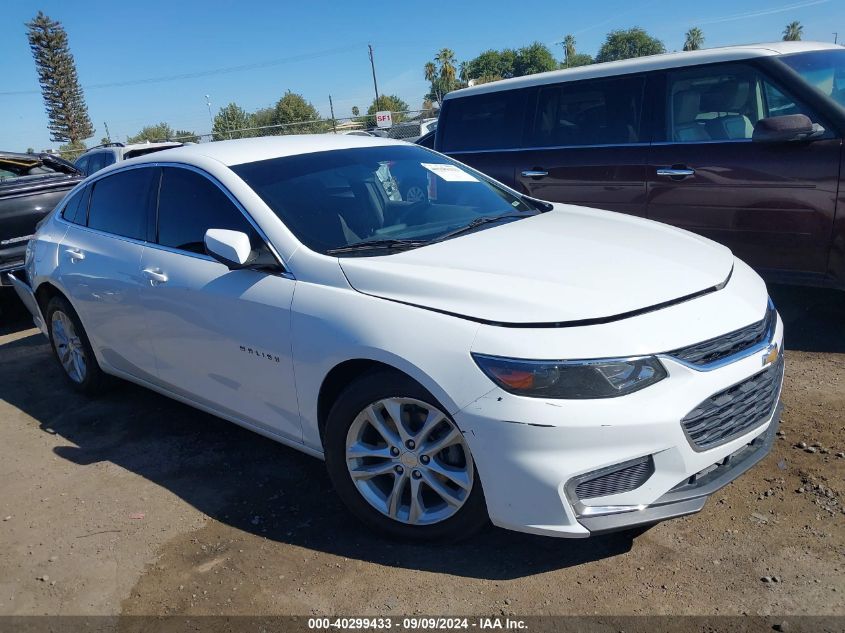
<point x="31" y="185"/>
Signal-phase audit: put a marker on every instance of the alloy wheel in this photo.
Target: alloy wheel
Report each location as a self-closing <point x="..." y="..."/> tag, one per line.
<point x="68" y="346"/>
<point x="409" y="461"/>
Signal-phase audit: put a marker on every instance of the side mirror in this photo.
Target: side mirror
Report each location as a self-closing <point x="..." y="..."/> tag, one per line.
<point x="230" y="248"/>
<point x="787" y="128"/>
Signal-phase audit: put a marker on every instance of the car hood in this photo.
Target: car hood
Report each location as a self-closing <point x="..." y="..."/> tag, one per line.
<point x="567" y="265"/>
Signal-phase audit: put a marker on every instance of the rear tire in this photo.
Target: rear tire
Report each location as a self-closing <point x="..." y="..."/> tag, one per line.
<point x="72" y="349"/>
<point x="426" y="487"/>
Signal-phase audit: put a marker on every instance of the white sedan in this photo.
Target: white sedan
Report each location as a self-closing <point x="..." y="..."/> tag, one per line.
<point x="472" y="355"/>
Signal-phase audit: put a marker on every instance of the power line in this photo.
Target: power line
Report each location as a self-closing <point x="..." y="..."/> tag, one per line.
<point x="204" y="73"/>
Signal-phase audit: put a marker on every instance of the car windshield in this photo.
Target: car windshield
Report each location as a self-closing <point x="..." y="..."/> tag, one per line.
<point x="378" y="197"/>
<point x="824" y="70"/>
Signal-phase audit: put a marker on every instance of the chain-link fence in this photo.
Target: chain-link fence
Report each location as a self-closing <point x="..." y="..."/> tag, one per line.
<point x="408" y="126"/>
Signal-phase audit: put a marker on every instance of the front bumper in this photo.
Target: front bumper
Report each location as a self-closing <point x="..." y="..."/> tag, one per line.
<point x="529" y="451"/>
<point x="690" y="495"/>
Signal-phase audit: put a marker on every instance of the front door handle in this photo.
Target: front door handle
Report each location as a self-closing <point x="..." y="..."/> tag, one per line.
<point x="675" y="172"/>
<point x="155" y="276"/>
<point x="534" y="173"/>
<point x="75" y="254"/>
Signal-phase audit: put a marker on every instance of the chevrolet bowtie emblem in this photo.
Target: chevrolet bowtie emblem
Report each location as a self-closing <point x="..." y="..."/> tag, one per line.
<point x="771" y="354"/>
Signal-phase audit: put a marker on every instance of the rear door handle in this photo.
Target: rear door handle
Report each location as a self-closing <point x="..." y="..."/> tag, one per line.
<point x="675" y="172"/>
<point x="534" y="173"/>
<point x="75" y="254"/>
<point x="155" y="276"/>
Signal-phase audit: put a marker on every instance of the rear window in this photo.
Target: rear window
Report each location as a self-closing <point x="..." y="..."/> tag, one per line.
<point x="121" y="202"/>
<point x="486" y="121"/>
<point x="602" y="112"/>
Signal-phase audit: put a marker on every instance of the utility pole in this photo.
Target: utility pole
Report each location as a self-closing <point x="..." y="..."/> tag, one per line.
<point x="108" y="134"/>
<point x="835" y="37"/>
<point x="208" y="103"/>
<point x="331" y="109"/>
<point x="373" y="66"/>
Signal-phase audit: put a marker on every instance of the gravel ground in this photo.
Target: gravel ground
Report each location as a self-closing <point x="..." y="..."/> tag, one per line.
<point x="135" y="504"/>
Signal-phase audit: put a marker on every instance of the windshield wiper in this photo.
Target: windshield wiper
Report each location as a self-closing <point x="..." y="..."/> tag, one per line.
<point x="480" y="221"/>
<point x="375" y="245"/>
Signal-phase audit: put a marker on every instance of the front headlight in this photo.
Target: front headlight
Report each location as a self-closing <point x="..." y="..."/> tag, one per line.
<point x="572" y="379"/>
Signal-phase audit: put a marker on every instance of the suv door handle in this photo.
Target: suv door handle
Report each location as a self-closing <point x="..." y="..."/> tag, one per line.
<point x="675" y="172"/>
<point x="534" y="173"/>
<point x="155" y="276"/>
<point x="75" y="254"/>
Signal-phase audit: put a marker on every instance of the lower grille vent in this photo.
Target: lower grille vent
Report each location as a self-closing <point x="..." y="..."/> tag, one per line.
<point x="621" y="478"/>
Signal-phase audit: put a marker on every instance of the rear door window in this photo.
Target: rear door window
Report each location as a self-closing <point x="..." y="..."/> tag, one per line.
<point x="121" y="203"/>
<point x="483" y="122"/>
<point x="76" y="209"/>
<point x="600" y="112"/>
<point x="190" y="204"/>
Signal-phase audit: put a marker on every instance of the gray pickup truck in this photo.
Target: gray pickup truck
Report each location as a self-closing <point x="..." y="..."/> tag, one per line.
<point x="31" y="185"/>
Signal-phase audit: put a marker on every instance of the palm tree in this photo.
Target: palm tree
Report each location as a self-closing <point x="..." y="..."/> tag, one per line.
<point x="694" y="39"/>
<point x="793" y="32"/>
<point x="446" y="59"/>
<point x="568" y="48"/>
<point x="430" y="71"/>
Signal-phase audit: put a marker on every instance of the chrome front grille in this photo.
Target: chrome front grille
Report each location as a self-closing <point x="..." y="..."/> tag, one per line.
<point x="716" y="349"/>
<point x="735" y="410"/>
<point x="618" y="478"/>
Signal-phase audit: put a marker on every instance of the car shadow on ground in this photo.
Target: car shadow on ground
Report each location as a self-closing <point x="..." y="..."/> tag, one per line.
<point x="258" y="486"/>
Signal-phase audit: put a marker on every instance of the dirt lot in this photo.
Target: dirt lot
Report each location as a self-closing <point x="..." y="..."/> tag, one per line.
<point x="134" y="504"/>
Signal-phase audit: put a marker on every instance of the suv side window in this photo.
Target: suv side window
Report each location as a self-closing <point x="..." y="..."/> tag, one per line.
<point x="121" y="202"/>
<point x="722" y="103"/>
<point x="76" y="209"/>
<point x="82" y="164"/>
<point x="108" y="159"/>
<point x="599" y="112"/>
<point x="97" y="162"/>
<point x="487" y="121"/>
<point x="189" y="204"/>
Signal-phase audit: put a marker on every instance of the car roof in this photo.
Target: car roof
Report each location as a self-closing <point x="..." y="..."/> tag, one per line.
<point x="248" y="150"/>
<point x="644" y="64"/>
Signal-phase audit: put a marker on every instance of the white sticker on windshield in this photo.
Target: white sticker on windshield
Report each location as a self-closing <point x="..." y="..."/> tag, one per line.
<point x="449" y="172"/>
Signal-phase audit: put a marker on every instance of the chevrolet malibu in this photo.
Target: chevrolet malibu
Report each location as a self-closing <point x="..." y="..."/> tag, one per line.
<point x="466" y="356"/>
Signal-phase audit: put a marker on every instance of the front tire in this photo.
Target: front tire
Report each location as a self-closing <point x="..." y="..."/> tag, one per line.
<point x="72" y="348"/>
<point x="399" y="462"/>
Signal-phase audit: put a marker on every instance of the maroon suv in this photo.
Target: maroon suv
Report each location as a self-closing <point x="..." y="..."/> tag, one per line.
<point x="741" y="144"/>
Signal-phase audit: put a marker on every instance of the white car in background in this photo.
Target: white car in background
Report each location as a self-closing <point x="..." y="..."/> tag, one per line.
<point x="101" y="156"/>
<point x="473" y="355"/>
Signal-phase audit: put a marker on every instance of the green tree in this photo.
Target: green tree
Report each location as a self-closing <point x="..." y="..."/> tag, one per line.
<point x="262" y="118"/>
<point x="297" y="115"/>
<point x="694" y="39"/>
<point x="624" y="44"/>
<point x="355" y="111"/>
<point x="578" y="59"/>
<point x="392" y="103"/>
<point x="63" y="98"/>
<point x="186" y="136"/>
<point x="29" y="150"/>
<point x="153" y="134"/>
<point x="72" y="150"/>
<point x="442" y="73"/>
<point x="229" y="119"/>
<point x="793" y="32"/>
<point x="534" y="58"/>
